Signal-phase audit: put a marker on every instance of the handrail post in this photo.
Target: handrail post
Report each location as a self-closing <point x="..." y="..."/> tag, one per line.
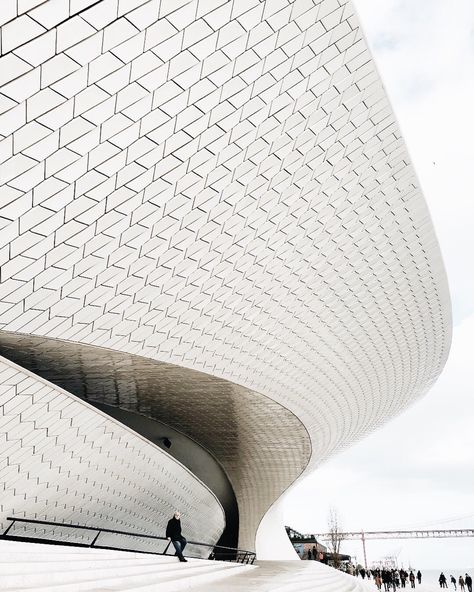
<point x="95" y="538"/>
<point x="13" y="522"/>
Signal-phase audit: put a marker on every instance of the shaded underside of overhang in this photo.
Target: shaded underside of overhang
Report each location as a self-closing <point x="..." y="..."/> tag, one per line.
<point x="262" y="446"/>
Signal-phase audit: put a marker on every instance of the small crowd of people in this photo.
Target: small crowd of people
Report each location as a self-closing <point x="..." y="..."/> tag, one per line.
<point x="313" y="553"/>
<point x="465" y="582"/>
<point x="391" y="579"/>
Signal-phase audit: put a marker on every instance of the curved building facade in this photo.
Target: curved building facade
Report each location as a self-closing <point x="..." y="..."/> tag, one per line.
<point x="209" y="219"/>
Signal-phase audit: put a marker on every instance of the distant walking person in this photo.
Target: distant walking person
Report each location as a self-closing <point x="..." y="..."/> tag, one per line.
<point x="442" y="580"/>
<point x="403" y="577"/>
<point x="309" y="554"/>
<point x="412" y="579"/>
<point x="461" y="583"/>
<point x="173" y="534"/>
<point x="468" y="581"/>
<point x="453" y="581"/>
<point x="418" y="577"/>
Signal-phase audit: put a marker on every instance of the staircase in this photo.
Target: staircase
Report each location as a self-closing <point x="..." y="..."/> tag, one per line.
<point x="47" y="568"/>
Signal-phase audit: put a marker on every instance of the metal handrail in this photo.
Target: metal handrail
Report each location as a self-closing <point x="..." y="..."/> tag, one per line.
<point x="241" y="555"/>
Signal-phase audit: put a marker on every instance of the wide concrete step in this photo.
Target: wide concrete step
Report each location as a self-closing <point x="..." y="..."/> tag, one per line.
<point x="70" y="573"/>
<point x="35" y="565"/>
<point x="146" y="582"/>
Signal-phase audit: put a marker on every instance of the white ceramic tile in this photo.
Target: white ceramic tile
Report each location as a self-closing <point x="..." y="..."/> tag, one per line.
<point x="226" y="185"/>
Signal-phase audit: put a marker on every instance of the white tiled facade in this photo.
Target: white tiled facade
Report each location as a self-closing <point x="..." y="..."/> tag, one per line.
<point x="219" y="185"/>
<point x="63" y="461"/>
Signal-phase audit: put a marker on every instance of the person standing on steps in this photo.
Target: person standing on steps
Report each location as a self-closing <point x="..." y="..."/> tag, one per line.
<point x="173" y="534"/>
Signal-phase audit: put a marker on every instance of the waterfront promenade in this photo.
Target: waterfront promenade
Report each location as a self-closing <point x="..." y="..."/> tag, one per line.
<point x="297" y="576"/>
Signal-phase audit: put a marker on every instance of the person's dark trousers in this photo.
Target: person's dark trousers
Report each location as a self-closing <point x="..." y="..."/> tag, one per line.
<point x="179" y="545"/>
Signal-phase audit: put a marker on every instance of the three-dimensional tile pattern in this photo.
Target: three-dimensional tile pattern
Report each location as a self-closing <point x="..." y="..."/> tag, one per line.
<point x="220" y="185"/>
<point x="64" y="461"/>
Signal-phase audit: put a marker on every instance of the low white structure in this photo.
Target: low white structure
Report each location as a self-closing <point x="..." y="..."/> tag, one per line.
<point x="209" y="217"/>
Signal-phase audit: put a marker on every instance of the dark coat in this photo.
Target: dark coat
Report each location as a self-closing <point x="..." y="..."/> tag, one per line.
<point x="173" y="530"/>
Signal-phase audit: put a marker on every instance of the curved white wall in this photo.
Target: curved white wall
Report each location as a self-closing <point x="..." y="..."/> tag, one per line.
<point x="64" y="461"/>
<point x="221" y="186"/>
<point x="271" y="541"/>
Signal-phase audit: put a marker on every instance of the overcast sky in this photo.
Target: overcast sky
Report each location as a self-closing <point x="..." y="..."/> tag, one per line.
<point x="418" y="470"/>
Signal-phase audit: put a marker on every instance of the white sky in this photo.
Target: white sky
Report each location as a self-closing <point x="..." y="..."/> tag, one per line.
<point x="418" y="471"/>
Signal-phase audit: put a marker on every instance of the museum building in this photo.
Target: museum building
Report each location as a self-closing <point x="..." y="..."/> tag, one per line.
<point x="217" y="268"/>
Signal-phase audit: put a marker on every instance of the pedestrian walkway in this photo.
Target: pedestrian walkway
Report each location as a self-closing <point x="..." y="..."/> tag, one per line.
<point x="297" y="576"/>
<point x="369" y="585"/>
<point x="290" y="576"/>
